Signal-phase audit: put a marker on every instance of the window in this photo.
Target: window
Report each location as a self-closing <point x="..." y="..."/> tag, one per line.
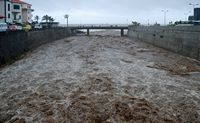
<point x="16" y="7"/>
<point x="8" y="15"/>
<point x="8" y="7"/>
<point x="20" y="16"/>
<point x="15" y="16"/>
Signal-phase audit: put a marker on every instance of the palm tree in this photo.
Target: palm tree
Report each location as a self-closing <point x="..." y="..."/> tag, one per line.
<point x="37" y="18"/>
<point x="46" y="18"/>
<point x="51" y="19"/>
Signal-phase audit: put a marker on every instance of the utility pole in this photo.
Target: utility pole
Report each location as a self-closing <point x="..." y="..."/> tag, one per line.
<point x="165" y="14"/>
<point x="186" y="15"/>
<point x="193" y="5"/>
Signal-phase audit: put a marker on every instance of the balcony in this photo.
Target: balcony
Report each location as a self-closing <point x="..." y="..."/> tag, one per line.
<point x="25" y="6"/>
<point x="16" y="11"/>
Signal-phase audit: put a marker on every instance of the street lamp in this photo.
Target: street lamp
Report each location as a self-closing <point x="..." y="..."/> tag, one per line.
<point x="186" y="15"/>
<point x="66" y="16"/>
<point x="193" y="5"/>
<point x="165" y="14"/>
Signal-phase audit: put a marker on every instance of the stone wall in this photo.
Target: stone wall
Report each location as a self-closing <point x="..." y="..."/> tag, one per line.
<point x="13" y="44"/>
<point x="182" y="40"/>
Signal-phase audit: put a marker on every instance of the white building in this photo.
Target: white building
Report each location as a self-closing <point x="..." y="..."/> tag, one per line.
<point x="26" y="12"/>
<point x="6" y="11"/>
<point x="15" y="11"/>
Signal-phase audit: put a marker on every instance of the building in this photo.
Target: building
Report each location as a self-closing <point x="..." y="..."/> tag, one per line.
<point x="26" y="12"/>
<point x="15" y="11"/>
<point x="190" y="18"/>
<point x="5" y="11"/>
<point x="1" y="18"/>
<point x="197" y="14"/>
<point x="2" y="10"/>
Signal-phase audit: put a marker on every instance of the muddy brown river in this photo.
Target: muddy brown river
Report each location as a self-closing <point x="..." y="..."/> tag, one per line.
<point x="100" y="78"/>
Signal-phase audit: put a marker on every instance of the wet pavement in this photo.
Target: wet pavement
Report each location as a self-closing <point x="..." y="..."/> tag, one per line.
<point x="100" y="78"/>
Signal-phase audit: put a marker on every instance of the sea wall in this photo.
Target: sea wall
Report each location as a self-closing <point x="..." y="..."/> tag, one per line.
<point x="13" y="44"/>
<point x="181" y="40"/>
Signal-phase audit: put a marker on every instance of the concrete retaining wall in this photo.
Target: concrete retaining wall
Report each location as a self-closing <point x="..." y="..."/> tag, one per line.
<point x="182" y="40"/>
<point x="13" y="44"/>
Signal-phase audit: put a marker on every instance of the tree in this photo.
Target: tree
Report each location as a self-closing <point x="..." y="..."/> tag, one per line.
<point x="37" y="18"/>
<point x="51" y="19"/>
<point x="45" y="18"/>
<point x="135" y="23"/>
<point x="156" y="24"/>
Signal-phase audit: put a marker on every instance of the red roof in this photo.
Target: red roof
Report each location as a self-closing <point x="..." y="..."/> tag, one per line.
<point x="19" y="1"/>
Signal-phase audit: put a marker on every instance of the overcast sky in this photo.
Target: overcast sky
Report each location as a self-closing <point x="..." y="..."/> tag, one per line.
<point x="112" y="11"/>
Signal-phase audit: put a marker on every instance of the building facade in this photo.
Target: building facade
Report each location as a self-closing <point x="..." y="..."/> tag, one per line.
<point x="26" y="12"/>
<point x="2" y="11"/>
<point x="197" y="14"/>
<point x="15" y="11"/>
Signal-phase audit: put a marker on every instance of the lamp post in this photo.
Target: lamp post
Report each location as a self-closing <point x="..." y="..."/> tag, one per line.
<point x="186" y="15"/>
<point x="193" y="5"/>
<point x="165" y="14"/>
<point x="67" y="17"/>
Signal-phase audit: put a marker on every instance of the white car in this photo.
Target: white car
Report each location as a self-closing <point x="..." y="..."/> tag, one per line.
<point x="3" y="27"/>
<point x="38" y="26"/>
<point x="19" y="27"/>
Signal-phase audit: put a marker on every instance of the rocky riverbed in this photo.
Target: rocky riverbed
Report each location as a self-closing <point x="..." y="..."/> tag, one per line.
<point x="100" y="79"/>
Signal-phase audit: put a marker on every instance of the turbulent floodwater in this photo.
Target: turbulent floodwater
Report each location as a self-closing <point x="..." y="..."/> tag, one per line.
<point x="100" y="78"/>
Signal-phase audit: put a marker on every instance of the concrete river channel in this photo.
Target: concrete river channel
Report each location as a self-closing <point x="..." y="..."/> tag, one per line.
<point x="101" y="78"/>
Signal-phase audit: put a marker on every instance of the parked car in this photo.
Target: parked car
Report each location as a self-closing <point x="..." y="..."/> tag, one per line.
<point x="27" y="27"/>
<point x="3" y="27"/>
<point x="19" y="27"/>
<point x="38" y="26"/>
<point x="12" y="27"/>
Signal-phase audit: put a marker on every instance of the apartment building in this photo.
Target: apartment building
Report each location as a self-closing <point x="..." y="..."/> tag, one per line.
<point x="15" y="11"/>
<point x="2" y="10"/>
<point x="6" y="11"/>
<point x="26" y="12"/>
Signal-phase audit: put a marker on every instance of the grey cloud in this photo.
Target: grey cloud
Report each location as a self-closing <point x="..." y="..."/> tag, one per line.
<point x="112" y="11"/>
